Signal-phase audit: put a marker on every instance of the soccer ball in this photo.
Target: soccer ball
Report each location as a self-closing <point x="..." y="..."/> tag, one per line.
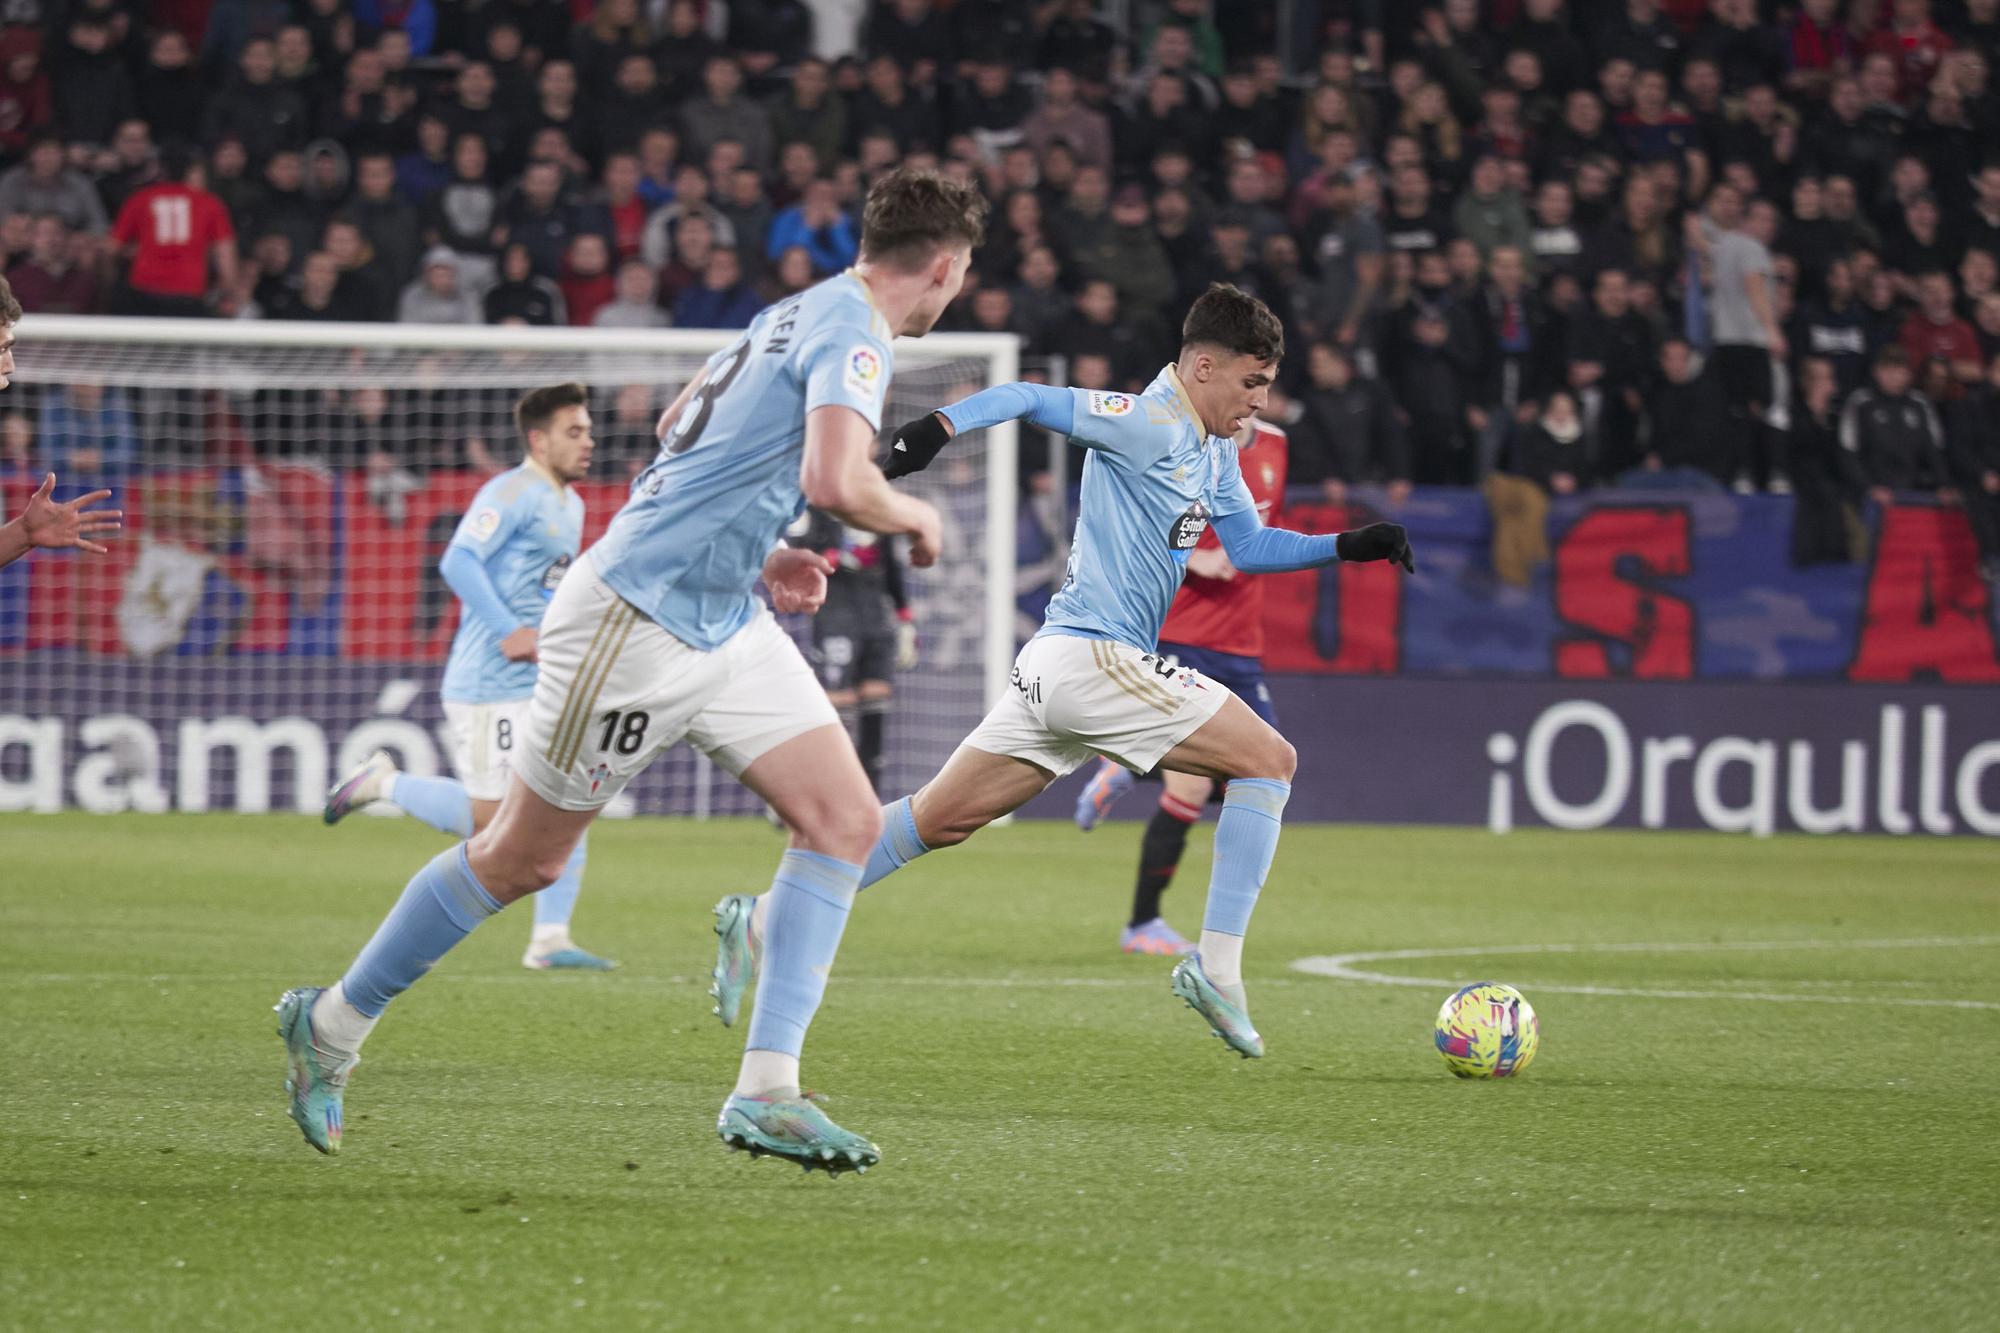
<point x="1487" y="1030"/>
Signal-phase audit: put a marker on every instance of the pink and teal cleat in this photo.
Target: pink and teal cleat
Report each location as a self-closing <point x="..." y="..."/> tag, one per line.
<point x="735" y="954"/>
<point x="1226" y="1010"/>
<point x="364" y="786"/>
<point x="794" y="1129"/>
<point x="1157" y="939"/>
<point x="1106" y="785"/>
<point x="316" y="1079"/>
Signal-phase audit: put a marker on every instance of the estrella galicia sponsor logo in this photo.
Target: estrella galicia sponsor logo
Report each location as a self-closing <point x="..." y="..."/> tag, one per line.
<point x="554" y="575"/>
<point x="1187" y="529"/>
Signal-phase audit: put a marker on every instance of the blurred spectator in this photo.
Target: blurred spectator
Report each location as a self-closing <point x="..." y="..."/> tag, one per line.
<point x="721" y="112"/>
<point x="26" y="107"/>
<point x="535" y="215"/>
<point x="656" y="244"/>
<point x="1097" y="330"/>
<point x="1687" y="417"/>
<point x="694" y="241"/>
<point x="1506" y="330"/>
<point x="92" y="90"/>
<point x="416" y="19"/>
<point x="1743" y="300"/>
<point x="20" y="460"/>
<point x="1063" y="115"/>
<point x="586" y="282"/>
<point x="88" y="435"/>
<point x="130" y="164"/>
<point x="465" y="213"/>
<point x="1934" y="332"/>
<point x="367" y="288"/>
<point x="1433" y="372"/>
<point x="427" y="169"/>
<point x="282" y="206"/>
<point x="1974" y="438"/>
<point x="1826" y="479"/>
<point x="42" y="184"/>
<point x="255" y="108"/>
<point x="389" y="223"/>
<point x="522" y="295"/>
<point x="1346" y="432"/>
<point x="722" y="299"/>
<point x="436" y="295"/>
<point x="1547" y="456"/>
<point x="634" y="304"/>
<point x="888" y="105"/>
<point x="809" y="111"/>
<point x="319" y="298"/>
<point x="1893" y="432"/>
<point x="1611" y="358"/>
<point x="178" y="237"/>
<point x="1347" y="246"/>
<point x="49" y="281"/>
<point x="627" y="438"/>
<point x="817" y="225"/>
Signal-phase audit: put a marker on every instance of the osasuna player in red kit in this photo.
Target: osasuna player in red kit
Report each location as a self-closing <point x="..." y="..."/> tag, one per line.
<point x="1216" y="626"/>
<point x="179" y="238"/>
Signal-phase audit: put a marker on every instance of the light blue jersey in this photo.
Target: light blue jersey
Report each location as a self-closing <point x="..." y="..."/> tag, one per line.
<point x="525" y="530"/>
<point x="1152" y="480"/>
<point x="689" y="545"/>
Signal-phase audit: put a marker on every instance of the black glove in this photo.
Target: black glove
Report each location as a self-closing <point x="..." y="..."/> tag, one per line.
<point x="915" y="445"/>
<point x="1377" y="541"/>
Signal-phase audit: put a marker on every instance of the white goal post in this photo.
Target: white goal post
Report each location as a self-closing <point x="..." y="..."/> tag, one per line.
<point x="273" y="611"/>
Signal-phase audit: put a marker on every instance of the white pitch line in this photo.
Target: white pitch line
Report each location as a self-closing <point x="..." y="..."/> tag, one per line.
<point x="1341" y="967"/>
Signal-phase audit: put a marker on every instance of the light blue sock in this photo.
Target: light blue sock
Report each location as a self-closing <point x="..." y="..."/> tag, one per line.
<point x="809" y="902"/>
<point x="441" y="906"/>
<point x="1246" y="838"/>
<point x="555" y="904"/>
<point x="439" y="802"/>
<point x="899" y="844"/>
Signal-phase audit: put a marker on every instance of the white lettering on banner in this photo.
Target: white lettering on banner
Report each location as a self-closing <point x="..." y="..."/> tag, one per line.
<point x="1610" y="799"/>
<point x="41" y="789"/>
<point x="1767" y="762"/>
<point x="121" y="771"/>
<point x="1759" y="814"/>
<point x="253" y="744"/>
<point x="1851" y="815"/>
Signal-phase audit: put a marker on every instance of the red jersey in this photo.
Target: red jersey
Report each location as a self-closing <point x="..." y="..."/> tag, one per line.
<point x="173" y="226"/>
<point x="1227" y="615"/>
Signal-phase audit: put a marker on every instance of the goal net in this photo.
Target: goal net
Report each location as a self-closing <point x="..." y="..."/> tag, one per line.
<point x="273" y="611"/>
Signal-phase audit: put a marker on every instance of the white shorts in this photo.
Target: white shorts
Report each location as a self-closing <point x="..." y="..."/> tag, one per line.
<point x="614" y="689"/>
<point x="1073" y="698"/>
<point x="482" y="738"/>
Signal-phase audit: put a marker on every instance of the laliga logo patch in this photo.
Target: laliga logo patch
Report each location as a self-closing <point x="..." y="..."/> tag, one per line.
<point x="485" y="523"/>
<point x="1110" y="404"/>
<point x="864" y="370"/>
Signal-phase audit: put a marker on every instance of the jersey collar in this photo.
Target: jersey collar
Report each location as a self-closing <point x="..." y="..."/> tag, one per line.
<point x="1173" y="375"/>
<point x="541" y="470"/>
<point x="867" y="294"/>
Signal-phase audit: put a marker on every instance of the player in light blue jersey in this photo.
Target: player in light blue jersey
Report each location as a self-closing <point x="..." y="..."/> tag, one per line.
<point x="510" y="551"/>
<point x="655" y="636"/>
<point x="1161" y="469"/>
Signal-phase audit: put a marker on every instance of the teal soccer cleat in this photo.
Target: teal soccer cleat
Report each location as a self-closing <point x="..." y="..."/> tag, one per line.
<point x="316" y="1080"/>
<point x="1227" y="1015"/>
<point x="794" y="1129"/>
<point x="735" y="955"/>
<point x="568" y="958"/>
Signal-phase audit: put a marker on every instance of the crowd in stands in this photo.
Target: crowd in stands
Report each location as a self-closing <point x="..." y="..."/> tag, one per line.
<point x="1537" y="246"/>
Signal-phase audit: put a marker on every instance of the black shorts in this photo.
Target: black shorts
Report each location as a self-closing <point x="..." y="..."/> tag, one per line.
<point x="1744" y="373"/>
<point x="847" y="654"/>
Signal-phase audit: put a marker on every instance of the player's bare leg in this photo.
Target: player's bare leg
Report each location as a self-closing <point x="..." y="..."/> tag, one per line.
<point x="1182" y="799"/>
<point x="817" y="786"/>
<point x="1244" y="750"/>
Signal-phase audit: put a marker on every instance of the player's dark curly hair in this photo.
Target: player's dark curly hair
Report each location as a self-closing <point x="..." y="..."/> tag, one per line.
<point x="10" y="309"/>
<point x="538" y="407"/>
<point x="1235" y="321"/>
<point x="910" y="213"/>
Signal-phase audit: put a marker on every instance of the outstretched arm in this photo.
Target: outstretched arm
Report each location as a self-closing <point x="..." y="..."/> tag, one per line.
<point x="1256" y="549"/>
<point x="46" y="523"/>
<point x="917" y="443"/>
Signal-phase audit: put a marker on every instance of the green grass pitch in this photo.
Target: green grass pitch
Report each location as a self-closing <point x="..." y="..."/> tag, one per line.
<point x="1803" y="1136"/>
